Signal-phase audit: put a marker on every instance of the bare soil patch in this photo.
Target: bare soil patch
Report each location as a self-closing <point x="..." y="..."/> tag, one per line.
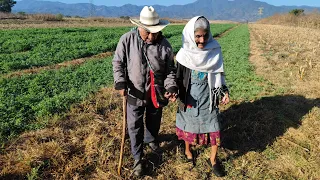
<point x="70" y="22"/>
<point x="224" y="33"/>
<point x="74" y="62"/>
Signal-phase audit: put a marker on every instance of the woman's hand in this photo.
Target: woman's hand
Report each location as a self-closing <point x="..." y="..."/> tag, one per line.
<point x="171" y="96"/>
<point x="225" y="100"/>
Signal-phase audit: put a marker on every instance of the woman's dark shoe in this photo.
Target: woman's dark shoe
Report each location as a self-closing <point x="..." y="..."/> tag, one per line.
<point x="217" y="169"/>
<point x="188" y="159"/>
<point x="192" y="159"/>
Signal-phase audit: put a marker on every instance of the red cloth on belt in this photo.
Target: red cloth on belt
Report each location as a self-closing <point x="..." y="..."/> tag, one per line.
<point x="153" y="91"/>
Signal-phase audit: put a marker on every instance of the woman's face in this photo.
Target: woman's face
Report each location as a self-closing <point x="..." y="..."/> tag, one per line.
<point x="201" y="37"/>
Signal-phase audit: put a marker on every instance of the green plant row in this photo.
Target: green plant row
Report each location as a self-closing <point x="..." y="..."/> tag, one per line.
<point x="217" y="29"/>
<point x="51" y="46"/>
<point x="240" y="76"/>
<point x="172" y="30"/>
<point x="22" y="40"/>
<point x="30" y="97"/>
<point x="176" y="30"/>
<point x="24" y="49"/>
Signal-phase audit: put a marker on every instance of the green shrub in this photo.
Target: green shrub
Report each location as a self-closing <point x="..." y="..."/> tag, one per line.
<point x="21" y="13"/>
<point x="125" y="17"/>
<point x="297" y="12"/>
<point x="59" y="17"/>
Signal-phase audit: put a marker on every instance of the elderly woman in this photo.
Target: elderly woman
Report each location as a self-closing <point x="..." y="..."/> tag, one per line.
<point x="201" y="82"/>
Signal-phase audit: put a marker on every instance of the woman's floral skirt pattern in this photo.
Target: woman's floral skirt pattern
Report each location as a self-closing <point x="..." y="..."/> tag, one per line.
<point x="202" y="139"/>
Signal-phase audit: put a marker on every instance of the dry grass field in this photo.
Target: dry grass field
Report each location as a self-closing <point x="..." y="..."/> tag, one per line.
<point x="288" y="57"/>
<point x="8" y="21"/>
<point x="311" y="20"/>
<point x="85" y="142"/>
<point x="67" y="22"/>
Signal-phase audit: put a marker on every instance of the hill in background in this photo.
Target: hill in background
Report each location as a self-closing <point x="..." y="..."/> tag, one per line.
<point x="235" y="10"/>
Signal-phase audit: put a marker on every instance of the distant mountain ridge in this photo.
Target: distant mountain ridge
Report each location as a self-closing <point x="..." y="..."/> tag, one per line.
<point x="235" y="10"/>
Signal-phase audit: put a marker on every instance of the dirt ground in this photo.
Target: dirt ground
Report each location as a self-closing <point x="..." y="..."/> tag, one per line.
<point x="71" y="22"/>
<point x="82" y="22"/>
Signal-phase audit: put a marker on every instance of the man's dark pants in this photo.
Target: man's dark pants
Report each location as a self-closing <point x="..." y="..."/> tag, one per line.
<point x="136" y="131"/>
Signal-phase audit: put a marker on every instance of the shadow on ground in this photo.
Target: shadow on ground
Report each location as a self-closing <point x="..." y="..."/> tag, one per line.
<point x="249" y="126"/>
<point x="252" y="126"/>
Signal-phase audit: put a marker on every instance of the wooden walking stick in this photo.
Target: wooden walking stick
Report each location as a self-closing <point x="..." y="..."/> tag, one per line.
<point x="124" y="118"/>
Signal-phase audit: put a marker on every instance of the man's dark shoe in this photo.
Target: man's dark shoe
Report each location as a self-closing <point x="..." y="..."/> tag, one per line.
<point x="138" y="168"/>
<point x="154" y="146"/>
<point x="217" y="169"/>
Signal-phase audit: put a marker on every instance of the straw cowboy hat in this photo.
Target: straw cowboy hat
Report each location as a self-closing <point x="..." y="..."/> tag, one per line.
<point x="149" y="20"/>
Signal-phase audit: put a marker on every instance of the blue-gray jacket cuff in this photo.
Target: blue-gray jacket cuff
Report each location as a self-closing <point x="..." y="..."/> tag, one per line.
<point x="120" y="86"/>
<point x="172" y="89"/>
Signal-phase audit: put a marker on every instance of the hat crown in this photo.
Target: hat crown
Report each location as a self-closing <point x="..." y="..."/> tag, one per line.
<point x="149" y="16"/>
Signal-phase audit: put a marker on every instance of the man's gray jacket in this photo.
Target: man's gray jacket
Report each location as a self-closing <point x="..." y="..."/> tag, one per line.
<point x="131" y="67"/>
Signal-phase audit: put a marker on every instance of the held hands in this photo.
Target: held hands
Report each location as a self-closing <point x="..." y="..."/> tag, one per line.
<point x="225" y="100"/>
<point x="171" y="96"/>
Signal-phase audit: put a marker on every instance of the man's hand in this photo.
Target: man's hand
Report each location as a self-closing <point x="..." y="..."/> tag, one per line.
<point x="122" y="92"/>
<point x="225" y="100"/>
<point x="171" y="96"/>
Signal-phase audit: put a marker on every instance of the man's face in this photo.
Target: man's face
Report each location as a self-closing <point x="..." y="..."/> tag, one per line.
<point x="201" y="37"/>
<point x="147" y="36"/>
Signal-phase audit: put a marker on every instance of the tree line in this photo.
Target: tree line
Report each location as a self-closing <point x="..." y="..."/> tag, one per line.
<point x="6" y="5"/>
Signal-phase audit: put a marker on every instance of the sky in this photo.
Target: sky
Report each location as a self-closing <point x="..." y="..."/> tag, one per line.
<point x="315" y="3"/>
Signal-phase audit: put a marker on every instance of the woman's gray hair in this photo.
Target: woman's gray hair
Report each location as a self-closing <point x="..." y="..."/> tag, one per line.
<point x="202" y="23"/>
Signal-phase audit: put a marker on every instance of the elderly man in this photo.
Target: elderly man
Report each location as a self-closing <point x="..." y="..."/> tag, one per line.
<point x="144" y="71"/>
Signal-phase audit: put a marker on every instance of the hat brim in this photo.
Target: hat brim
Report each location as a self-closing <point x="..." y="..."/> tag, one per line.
<point x="153" y="29"/>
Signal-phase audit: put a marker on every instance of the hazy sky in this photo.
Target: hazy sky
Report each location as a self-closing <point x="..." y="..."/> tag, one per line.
<point x="171" y="2"/>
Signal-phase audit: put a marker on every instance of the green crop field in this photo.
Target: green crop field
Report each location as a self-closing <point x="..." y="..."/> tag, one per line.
<point x="30" y="97"/>
<point x="28" y="48"/>
<point x="25" y="99"/>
